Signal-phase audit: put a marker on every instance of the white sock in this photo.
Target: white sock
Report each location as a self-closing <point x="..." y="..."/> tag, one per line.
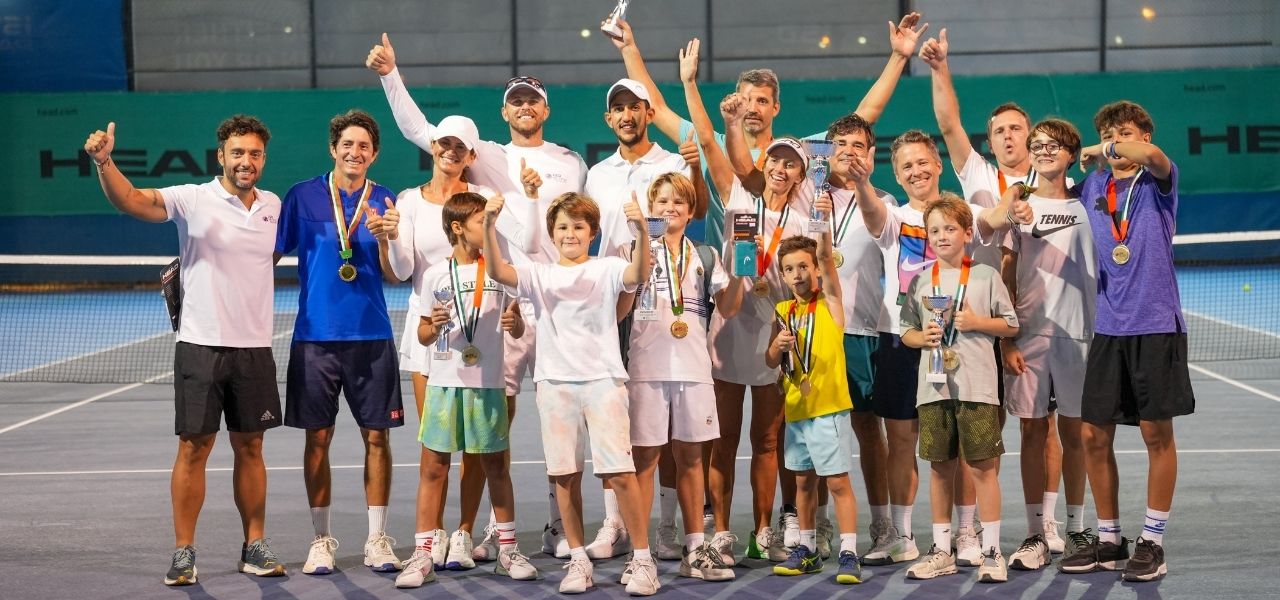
<point x="377" y="520"/>
<point x="694" y="540"/>
<point x="1075" y="518"/>
<point x="553" y="506"/>
<point x="942" y="536"/>
<point x="990" y="535"/>
<point x="964" y="516"/>
<point x="1109" y="530"/>
<point x="880" y="511"/>
<point x="423" y="540"/>
<point x="849" y="542"/>
<point x="809" y="538"/>
<point x="642" y="553"/>
<point x="1153" y="527"/>
<point x="1035" y="518"/>
<point x="1050" y="504"/>
<point x="901" y="518"/>
<point x="506" y="535"/>
<point x="320" y="520"/>
<point x="611" y="507"/>
<point x="667" y="502"/>
<point x="578" y="553"/>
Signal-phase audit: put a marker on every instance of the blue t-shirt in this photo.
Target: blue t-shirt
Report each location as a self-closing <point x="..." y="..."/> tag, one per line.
<point x="1141" y="296"/>
<point x="330" y="309"/>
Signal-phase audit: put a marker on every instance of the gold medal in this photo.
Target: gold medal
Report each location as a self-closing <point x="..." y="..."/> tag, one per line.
<point x="839" y="258"/>
<point x="470" y="356"/>
<point x="950" y="359"/>
<point x="1120" y="254"/>
<point x="761" y="288"/>
<point x="805" y="387"/>
<point x="347" y="272"/>
<point x="679" y="329"/>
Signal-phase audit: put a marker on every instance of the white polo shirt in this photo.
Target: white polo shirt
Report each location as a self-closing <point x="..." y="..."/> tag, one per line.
<point x="228" y="276"/>
<point x="610" y="183"/>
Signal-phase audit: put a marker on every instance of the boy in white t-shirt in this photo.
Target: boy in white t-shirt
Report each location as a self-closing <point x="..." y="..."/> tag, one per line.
<point x="580" y="380"/>
<point x="466" y="405"/>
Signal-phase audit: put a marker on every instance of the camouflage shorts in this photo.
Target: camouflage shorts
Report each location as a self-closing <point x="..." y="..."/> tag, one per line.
<point x="952" y="428"/>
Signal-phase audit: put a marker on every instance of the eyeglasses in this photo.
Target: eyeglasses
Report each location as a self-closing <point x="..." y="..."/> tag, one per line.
<point x="1049" y="148"/>
<point x="531" y="81"/>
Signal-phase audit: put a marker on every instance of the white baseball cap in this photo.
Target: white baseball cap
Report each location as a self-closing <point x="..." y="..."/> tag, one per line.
<point x="526" y="82"/>
<point x="793" y="145"/>
<point x="459" y="127"/>
<point x="631" y="85"/>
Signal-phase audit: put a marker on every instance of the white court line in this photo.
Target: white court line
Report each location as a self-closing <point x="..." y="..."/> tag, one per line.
<point x="514" y="463"/>
<point x="1227" y="380"/>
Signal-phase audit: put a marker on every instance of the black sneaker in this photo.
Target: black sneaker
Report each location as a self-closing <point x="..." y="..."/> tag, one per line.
<point x="1147" y="563"/>
<point x="258" y="559"/>
<point x="182" y="571"/>
<point x="1078" y="540"/>
<point x="1097" y="555"/>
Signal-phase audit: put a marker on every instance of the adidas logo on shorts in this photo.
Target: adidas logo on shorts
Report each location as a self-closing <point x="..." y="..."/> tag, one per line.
<point x="267" y="416"/>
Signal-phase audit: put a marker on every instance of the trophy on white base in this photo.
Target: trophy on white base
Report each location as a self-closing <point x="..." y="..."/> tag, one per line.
<point x="819" y="153"/>
<point x="610" y="25"/>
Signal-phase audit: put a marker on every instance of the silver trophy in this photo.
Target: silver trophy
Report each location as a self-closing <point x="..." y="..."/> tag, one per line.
<point x="819" y="153"/>
<point x="442" y="342"/>
<point x="647" y="310"/>
<point x="610" y="25"/>
<point x="937" y="367"/>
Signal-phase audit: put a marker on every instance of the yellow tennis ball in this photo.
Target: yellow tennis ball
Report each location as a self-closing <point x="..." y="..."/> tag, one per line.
<point x="1247" y="287"/>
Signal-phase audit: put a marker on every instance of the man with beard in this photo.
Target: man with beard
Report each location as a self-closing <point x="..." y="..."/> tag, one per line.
<point x="222" y="363"/>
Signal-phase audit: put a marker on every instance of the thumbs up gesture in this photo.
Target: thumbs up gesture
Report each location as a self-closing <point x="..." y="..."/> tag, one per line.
<point x="689" y="152"/>
<point x="966" y="320"/>
<point x="100" y="143"/>
<point x="512" y="320"/>
<point x="382" y="58"/>
<point x="530" y="179"/>
<point x="385" y="227"/>
<point x="633" y="213"/>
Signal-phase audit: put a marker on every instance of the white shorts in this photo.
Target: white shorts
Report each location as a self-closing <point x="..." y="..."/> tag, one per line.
<point x="1055" y="367"/>
<point x="519" y="353"/>
<point x="569" y="410"/>
<point x="665" y="410"/>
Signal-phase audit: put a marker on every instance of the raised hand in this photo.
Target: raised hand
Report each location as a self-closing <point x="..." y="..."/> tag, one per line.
<point x="382" y="58"/>
<point x="733" y="108"/>
<point x="934" y="51"/>
<point x="966" y="320"/>
<point x="1021" y="210"/>
<point x="904" y="35"/>
<point x="861" y="167"/>
<point x="530" y="179"/>
<point x="689" y="152"/>
<point x="100" y="143"/>
<point x="628" y="38"/>
<point x="493" y="207"/>
<point x="384" y="227"/>
<point x="1092" y="157"/>
<point x="632" y="211"/>
<point x="511" y="316"/>
<point x="689" y="61"/>
<point x="823" y="203"/>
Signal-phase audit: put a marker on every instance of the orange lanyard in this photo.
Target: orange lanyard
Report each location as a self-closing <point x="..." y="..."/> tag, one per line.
<point x="766" y="260"/>
<point x="965" y="265"/>
<point x="1121" y="232"/>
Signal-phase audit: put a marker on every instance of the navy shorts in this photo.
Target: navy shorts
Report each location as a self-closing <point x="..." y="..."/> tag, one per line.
<point x="366" y="372"/>
<point x="212" y="382"/>
<point x="1136" y="378"/>
<point x="893" y="395"/>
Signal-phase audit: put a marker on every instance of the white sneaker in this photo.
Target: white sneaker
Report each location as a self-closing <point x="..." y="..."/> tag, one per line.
<point x="487" y="549"/>
<point x="320" y="556"/>
<point x="993" y="569"/>
<point x="667" y="548"/>
<point x="625" y="578"/>
<point x="825" y="532"/>
<point x="378" y="554"/>
<point x="644" y="577"/>
<point x="968" y="548"/>
<point x="706" y="564"/>
<point x="579" y="576"/>
<point x="1031" y="555"/>
<point x="418" y="570"/>
<point x="612" y="540"/>
<point x="893" y="548"/>
<point x="439" y="547"/>
<point x="934" y="564"/>
<point x="1051" y="538"/>
<point x="459" y="558"/>
<point x="789" y="524"/>
<point x="515" y="565"/>
<point x="553" y="541"/>
<point x="723" y="543"/>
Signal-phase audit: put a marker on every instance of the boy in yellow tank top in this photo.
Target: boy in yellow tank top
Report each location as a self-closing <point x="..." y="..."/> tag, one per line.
<point x="808" y="342"/>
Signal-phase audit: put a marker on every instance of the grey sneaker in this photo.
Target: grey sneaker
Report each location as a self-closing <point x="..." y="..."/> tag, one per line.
<point x="257" y="558"/>
<point x="993" y="569"/>
<point x="705" y="563"/>
<point x="182" y="570"/>
<point x="1031" y="555"/>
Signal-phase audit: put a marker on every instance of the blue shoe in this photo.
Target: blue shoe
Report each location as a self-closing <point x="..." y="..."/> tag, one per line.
<point x="182" y="570"/>
<point x="850" y="568"/>
<point x="258" y="559"/>
<point x="801" y="561"/>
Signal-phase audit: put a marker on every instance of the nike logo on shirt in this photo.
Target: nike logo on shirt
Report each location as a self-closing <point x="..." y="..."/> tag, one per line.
<point x="1037" y="232"/>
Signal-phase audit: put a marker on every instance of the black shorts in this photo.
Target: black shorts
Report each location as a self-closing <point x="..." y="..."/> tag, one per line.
<point x="893" y="395"/>
<point x="212" y="381"/>
<point x="366" y="372"/>
<point x="1137" y="378"/>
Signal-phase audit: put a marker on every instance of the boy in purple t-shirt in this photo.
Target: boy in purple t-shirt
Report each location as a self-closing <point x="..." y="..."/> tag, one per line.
<point x="1136" y="372"/>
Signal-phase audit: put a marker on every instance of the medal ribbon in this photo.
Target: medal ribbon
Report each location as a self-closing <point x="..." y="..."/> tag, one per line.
<point x="763" y="264"/>
<point x="676" y="272"/>
<point x="807" y="354"/>
<point x="345" y="232"/>
<point x="843" y="227"/>
<point x="470" y="321"/>
<point x="1122" y="232"/>
<point x="949" y="337"/>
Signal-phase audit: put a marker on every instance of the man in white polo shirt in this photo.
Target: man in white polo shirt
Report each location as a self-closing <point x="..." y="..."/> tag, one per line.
<point x="222" y="364"/>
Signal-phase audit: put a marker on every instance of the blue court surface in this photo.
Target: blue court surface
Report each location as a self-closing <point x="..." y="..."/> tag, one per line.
<point x="84" y="483"/>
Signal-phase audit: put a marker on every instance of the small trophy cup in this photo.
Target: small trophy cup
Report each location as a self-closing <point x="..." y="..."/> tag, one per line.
<point x="610" y="24"/>
<point x="647" y="310"/>
<point x="819" y="153"/>
<point x="937" y="368"/>
<point x="442" y="342"/>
